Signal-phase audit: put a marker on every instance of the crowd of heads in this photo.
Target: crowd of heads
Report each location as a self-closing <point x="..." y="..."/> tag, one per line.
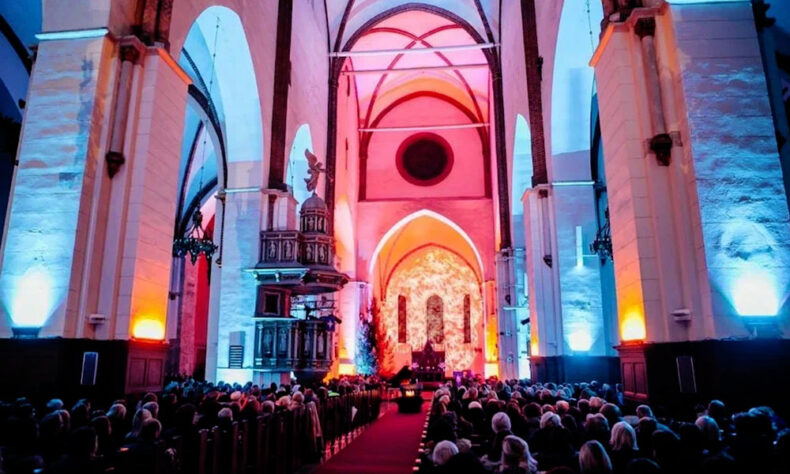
<point x="83" y="438"/>
<point x="478" y="426"/>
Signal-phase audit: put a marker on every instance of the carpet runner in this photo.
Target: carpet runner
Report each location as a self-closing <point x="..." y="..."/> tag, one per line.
<point x="388" y="445"/>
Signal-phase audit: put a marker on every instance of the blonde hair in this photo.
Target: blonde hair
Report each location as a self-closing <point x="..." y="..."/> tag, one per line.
<point x="623" y="436"/>
<point x="515" y="451"/>
<point x="593" y="458"/>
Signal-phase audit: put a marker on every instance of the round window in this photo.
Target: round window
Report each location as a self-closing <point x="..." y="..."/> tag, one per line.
<point x="424" y="159"/>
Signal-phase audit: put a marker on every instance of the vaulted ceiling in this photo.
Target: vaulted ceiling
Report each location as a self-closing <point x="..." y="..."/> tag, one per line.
<point x="348" y="16"/>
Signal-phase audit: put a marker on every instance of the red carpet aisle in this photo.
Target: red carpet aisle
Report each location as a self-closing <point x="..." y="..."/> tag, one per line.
<point x="389" y="445"/>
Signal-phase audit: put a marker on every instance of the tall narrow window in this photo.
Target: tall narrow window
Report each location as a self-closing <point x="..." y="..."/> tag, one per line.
<point x="467" y="318"/>
<point x="434" y="315"/>
<point x="401" y="318"/>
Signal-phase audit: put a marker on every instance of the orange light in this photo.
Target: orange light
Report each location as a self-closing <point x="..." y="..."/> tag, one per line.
<point x="632" y="328"/>
<point x="492" y="369"/>
<point x="346" y="369"/>
<point x="148" y="328"/>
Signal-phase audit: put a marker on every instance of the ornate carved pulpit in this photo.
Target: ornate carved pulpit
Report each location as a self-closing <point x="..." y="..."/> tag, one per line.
<point x="296" y="263"/>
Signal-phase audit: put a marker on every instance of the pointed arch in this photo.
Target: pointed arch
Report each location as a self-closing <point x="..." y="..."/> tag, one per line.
<point x="399" y="226"/>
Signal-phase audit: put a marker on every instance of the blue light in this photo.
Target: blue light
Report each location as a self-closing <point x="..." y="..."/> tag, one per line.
<point x="754" y="294"/>
<point x="33" y="298"/>
<point x="72" y="34"/>
<point x="580" y="340"/>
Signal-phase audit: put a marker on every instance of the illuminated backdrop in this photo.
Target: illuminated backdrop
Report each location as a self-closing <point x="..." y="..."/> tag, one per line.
<point x="435" y="271"/>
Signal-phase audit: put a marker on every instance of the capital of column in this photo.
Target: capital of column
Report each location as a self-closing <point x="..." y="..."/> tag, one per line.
<point x="131" y="48"/>
<point x="645" y="26"/>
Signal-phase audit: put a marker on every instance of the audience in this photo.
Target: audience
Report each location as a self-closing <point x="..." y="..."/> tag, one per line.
<point x="520" y="427"/>
<point x="476" y="427"/>
<point x="138" y="437"/>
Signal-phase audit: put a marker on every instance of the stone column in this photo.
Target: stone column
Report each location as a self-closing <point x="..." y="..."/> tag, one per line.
<point x="698" y="210"/>
<point x="146" y="245"/>
<point x="544" y="289"/>
<point x="53" y="196"/>
<point x="244" y="210"/>
<point x="506" y="310"/>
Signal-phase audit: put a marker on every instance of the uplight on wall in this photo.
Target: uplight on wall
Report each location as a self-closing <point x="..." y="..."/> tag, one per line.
<point x="754" y="294"/>
<point x="147" y="328"/>
<point x="533" y="345"/>
<point x="492" y="369"/>
<point x="346" y="369"/>
<point x="632" y="327"/>
<point x="33" y="299"/>
<point x="580" y="340"/>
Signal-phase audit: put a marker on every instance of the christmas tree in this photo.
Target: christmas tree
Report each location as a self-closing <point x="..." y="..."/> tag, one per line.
<point x="366" y="356"/>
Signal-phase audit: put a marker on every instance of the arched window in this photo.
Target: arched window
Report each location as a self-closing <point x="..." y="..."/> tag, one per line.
<point x="467" y="318"/>
<point x="434" y="315"/>
<point x="401" y="318"/>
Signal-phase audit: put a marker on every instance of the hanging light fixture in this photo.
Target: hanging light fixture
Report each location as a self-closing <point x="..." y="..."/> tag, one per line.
<point x="196" y="240"/>
<point x="602" y="245"/>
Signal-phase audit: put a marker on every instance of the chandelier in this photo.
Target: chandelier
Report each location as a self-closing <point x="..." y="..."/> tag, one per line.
<point x="195" y="241"/>
<point x="602" y="245"/>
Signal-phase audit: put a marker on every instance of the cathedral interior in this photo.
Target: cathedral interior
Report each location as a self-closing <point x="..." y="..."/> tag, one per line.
<point x="309" y="189"/>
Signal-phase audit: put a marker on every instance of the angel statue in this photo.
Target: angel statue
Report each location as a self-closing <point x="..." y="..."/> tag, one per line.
<point x="314" y="170"/>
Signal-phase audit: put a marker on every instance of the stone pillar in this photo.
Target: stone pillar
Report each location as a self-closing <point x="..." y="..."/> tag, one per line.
<point x="350" y="301"/>
<point x="698" y="211"/>
<point x="508" y="350"/>
<point x="244" y="213"/>
<point x="53" y="196"/>
<point x="521" y="308"/>
<point x="215" y="289"/>
<point x="490" y="330"/>
<point x="743" y="212"/>
<point x="146" y="244"/>
<point x="544" y="302"/>
<point x="111" y="219"/>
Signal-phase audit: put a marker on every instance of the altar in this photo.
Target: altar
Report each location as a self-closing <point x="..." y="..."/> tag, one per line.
<point x="428" y="365"/>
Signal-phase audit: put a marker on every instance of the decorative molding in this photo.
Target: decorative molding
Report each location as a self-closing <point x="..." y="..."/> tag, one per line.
<point x="168" y="59"/>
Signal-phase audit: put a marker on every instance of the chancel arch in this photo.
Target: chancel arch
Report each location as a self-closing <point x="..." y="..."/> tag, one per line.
<point x="427" y="280"/>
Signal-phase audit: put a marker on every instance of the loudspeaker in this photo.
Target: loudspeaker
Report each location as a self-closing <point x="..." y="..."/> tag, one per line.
<point x="236" y="349"/>
<point x="90" y="364"/>
<point x="686" y="378"/>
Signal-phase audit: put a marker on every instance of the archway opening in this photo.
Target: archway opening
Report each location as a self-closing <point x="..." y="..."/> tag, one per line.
<point x="222" y="133"/>
<point x="426" y="277"/>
